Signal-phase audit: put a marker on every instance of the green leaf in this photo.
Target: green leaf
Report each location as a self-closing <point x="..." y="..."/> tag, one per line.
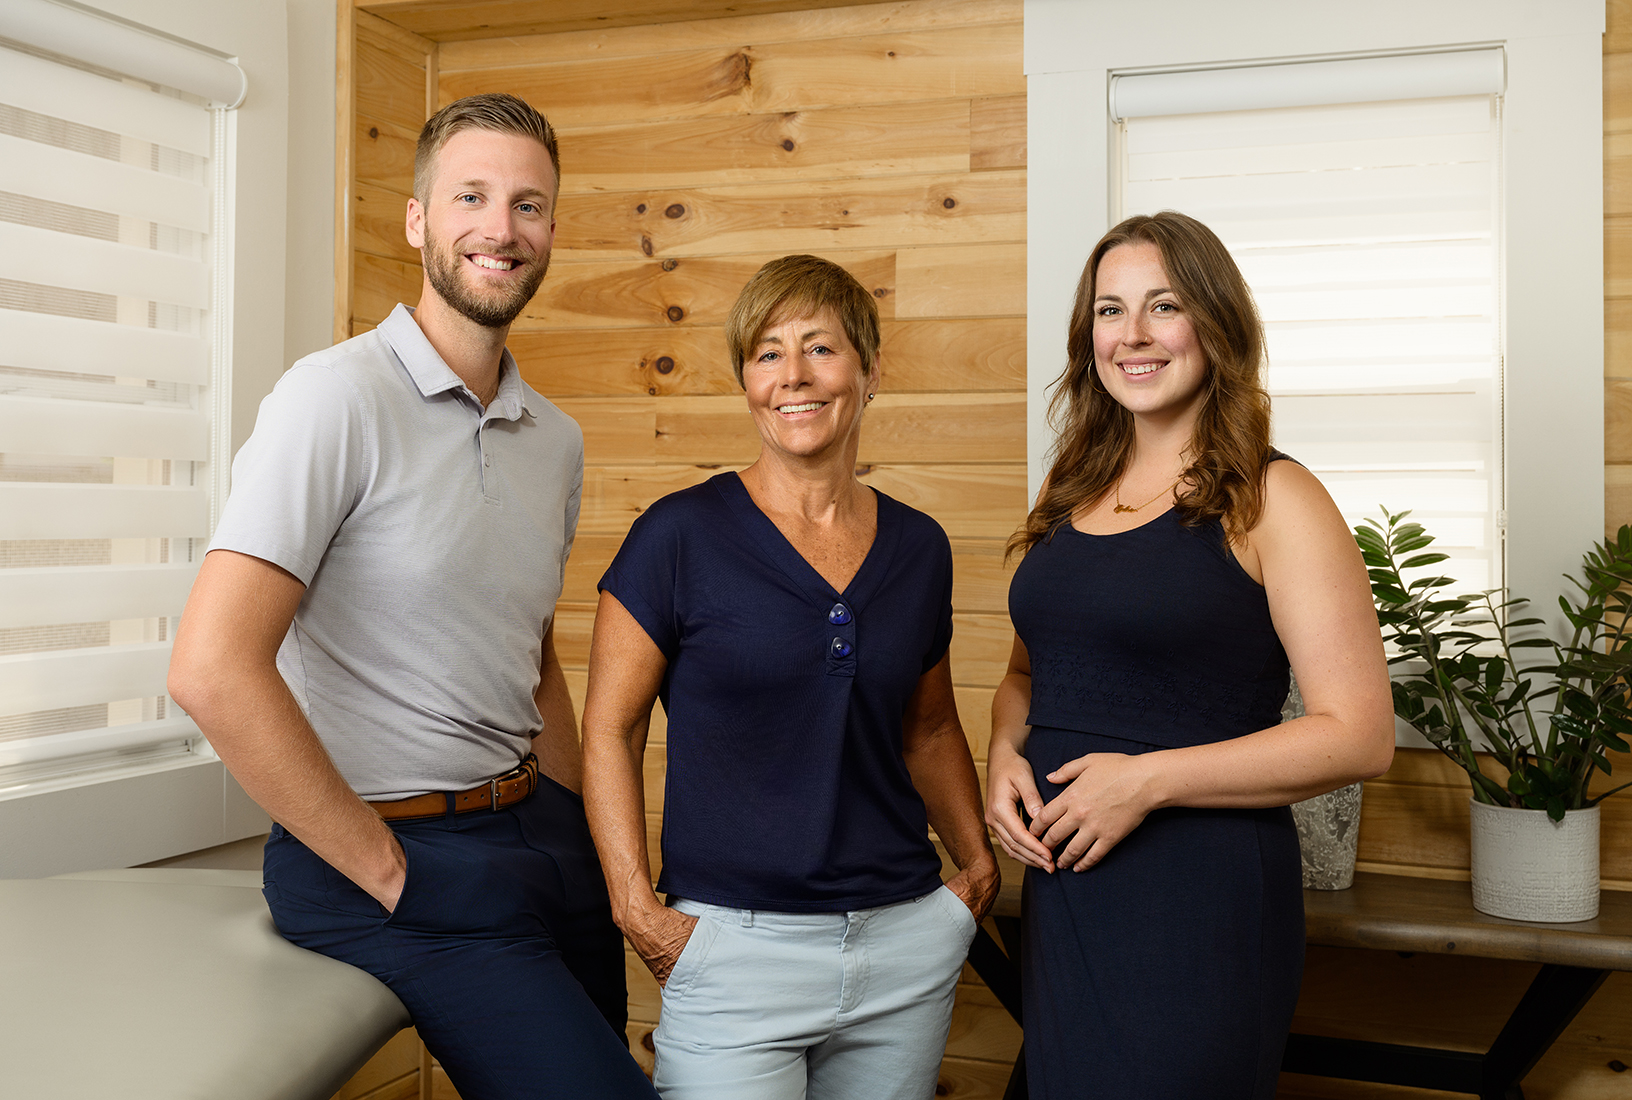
<point x="1420" y="560"/>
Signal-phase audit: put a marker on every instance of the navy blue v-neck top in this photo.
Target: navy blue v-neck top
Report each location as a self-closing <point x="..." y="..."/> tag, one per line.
<point x="786" y="789"/>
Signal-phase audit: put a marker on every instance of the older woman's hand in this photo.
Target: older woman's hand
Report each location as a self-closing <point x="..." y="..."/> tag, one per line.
<point x="977" y="886"/>
<point x="660" y="938"/>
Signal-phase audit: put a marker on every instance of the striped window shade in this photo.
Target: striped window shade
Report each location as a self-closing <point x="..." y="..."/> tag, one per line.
<point x="111" y="252"/>
<point x="1369" y="233"/>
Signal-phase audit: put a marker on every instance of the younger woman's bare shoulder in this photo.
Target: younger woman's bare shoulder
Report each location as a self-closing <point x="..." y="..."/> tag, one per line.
<point x="1297" y="510"/>
<point x="1293" y="495"/>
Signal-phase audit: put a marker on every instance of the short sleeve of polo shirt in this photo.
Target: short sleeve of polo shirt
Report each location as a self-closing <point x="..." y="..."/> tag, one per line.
<point x="300" y="474"/>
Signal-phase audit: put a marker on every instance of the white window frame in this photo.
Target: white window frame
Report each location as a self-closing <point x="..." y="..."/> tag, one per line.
<point x="192" y="803"/>
<point x="1552" y="268"/>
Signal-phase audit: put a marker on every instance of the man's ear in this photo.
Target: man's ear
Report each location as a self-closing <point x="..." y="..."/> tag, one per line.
<point x="414" y="227"/>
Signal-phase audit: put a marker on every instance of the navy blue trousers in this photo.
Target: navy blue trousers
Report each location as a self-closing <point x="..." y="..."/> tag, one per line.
<point x="502" y="946"/>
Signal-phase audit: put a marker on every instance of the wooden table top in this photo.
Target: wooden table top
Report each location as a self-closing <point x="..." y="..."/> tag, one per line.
<point x="1398" y="913"/>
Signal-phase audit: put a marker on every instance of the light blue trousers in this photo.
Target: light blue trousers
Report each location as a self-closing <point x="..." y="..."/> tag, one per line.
<point x="829" y="1006"/>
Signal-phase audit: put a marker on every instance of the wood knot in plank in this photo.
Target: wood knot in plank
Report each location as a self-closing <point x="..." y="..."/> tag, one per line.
<point x="674" y="210"/>
<point x="731" y="76"/>
<point x="881" y="292"/>
<point x="640" y="208"/>
<point x="670" y="265"/>
<point x="373" y="131"/>
<point x="787" y="143"/>
<point x="646" y="244"/>
<point x="664" y="364"/>
<point x="949" y="202"/>
<point x="676" y="314"/>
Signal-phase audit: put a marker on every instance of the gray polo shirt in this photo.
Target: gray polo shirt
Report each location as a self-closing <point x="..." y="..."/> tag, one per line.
<point x="431" y="536"/>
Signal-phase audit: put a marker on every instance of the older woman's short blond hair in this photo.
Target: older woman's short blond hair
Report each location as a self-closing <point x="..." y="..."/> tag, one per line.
<point x="800" y="286"/>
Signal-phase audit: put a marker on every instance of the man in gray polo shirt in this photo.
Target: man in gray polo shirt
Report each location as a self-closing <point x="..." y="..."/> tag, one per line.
<point x="369" y="646"/>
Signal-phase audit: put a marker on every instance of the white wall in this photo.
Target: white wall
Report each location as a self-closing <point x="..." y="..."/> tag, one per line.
<point x="1553" y="268"/>
<point x="308" y="323"/>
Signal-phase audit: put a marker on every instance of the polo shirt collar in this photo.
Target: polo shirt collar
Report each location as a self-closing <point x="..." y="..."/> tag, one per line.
<point x="433" y="376"/>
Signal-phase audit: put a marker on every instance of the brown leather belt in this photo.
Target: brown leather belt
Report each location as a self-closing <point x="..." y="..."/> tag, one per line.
<point x="497" y="793"/>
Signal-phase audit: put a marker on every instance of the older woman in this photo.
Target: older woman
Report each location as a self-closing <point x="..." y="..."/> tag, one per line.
<point x="795" y="624"/>
<point x="1174" y="562"/>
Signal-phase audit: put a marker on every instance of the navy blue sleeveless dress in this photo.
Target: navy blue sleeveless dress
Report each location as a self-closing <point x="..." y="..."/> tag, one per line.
<point x="1170" y="970"/>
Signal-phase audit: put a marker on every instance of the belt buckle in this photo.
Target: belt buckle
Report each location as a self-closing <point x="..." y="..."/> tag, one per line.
<point x="493" y="787"/>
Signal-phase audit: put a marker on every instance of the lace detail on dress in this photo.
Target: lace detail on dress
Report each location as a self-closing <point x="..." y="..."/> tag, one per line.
<point x="1150" y="636"/>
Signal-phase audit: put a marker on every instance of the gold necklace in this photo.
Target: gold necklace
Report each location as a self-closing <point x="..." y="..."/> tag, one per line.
<point x="1120" y="507"/>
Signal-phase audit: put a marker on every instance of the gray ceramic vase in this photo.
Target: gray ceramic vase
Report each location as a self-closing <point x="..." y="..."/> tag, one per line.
<point x="1328" y="825"/>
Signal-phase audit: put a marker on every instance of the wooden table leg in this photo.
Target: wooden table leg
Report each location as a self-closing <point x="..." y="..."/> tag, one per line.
<point x="1554" y="998"/>
<point x="998" y="968"/>
<point x="1552" y="1001"/>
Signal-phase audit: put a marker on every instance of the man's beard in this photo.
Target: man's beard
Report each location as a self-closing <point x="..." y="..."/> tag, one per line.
<point x="492" y="307"/>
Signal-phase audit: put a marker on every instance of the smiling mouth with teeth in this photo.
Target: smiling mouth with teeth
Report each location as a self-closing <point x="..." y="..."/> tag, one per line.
<point x="1142" y="368"/>
<point x="493" y="263"/>
<point x="809" y="406"/>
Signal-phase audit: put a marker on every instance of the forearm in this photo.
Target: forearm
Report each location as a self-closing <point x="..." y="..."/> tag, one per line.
<point x="1010" y="706"/>
<point x="615" y="801"/>
<point x="254" y="724"/>
<point x="944" y="775"/>
<point x="1273" y="767"/>
<point x="224" y="674"/>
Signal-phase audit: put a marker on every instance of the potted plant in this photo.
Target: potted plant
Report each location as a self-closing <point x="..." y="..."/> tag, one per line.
<point x="1548" y="725"/>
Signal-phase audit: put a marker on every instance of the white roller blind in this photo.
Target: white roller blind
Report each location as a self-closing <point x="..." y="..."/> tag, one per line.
<point x="1309" y="83"/>
<point x="108" y="353"/>
<point x="81" y="31"/>
<point x="1369" y="235"/>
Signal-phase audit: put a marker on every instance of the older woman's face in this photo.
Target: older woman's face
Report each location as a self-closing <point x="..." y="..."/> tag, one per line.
<point x="806" y="386"/>
<point x="1145" y="347"/>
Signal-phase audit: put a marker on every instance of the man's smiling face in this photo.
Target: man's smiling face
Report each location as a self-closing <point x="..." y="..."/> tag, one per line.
<point x="487" y="224"/>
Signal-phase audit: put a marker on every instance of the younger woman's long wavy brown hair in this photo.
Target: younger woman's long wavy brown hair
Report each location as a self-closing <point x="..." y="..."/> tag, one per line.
<point x="1230" y="449"/>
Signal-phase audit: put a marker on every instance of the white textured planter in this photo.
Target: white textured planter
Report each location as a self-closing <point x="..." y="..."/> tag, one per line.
<point x="1528" y="867"/>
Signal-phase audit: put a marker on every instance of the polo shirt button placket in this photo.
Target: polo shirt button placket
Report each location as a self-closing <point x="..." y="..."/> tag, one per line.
<point x="488" y="490"/>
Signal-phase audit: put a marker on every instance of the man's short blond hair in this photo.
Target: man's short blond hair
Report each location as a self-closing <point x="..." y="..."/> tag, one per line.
<point x="497" y="111"/>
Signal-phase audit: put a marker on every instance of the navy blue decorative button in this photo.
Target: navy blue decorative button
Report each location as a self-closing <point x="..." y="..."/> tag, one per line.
<point x="839" y="648"/>
<point x="839" y="615"/>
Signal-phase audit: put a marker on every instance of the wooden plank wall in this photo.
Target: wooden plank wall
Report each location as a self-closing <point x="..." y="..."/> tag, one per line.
<point x="1618" y="265"/>
<point x="887" y="137"/>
